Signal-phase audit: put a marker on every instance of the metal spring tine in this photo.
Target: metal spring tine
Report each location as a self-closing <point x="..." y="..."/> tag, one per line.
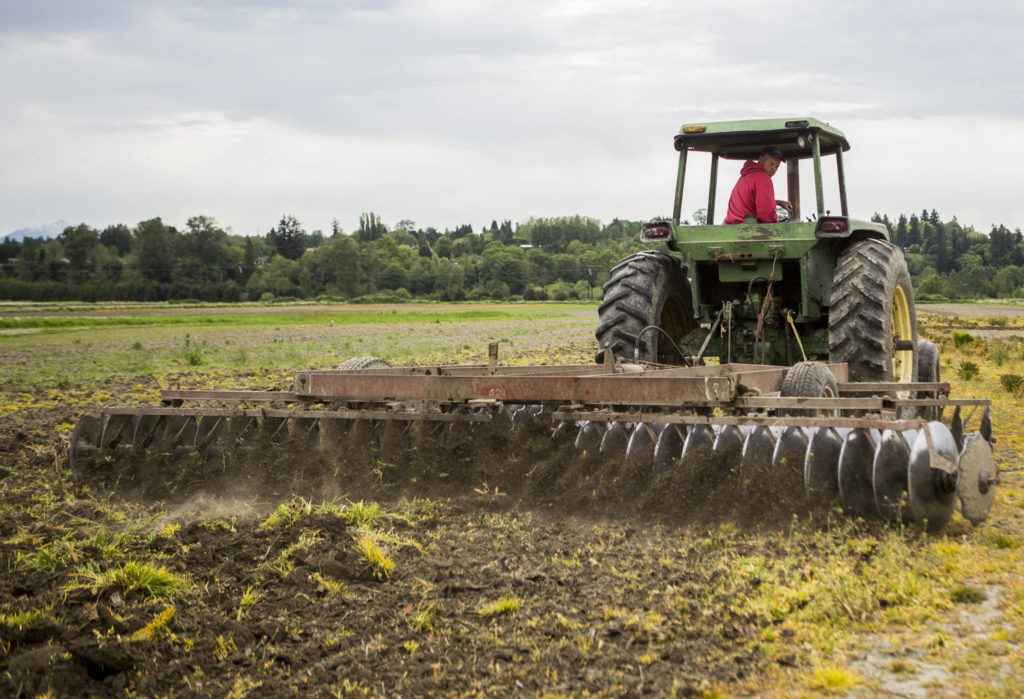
<point x="979" y="475"/>
<point x="790" y="450"/>
<point x="510" y="409"/>
<point x="889" y="475"/>
<point x="668" y="449"/>
<point x="856" y="491"/>
<point x="931" y="487"/>
<point x="757" y="450"/>
<point x="956" y="427"/>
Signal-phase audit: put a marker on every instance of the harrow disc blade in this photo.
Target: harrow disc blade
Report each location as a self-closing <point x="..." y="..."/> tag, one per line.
<point x="985" y="428"/>
<point x="305" y="431"/>
<point x="640" y="449"/>
<point x="729" y="443"/>
<point x="145" y="431"/>
<point x="564" y="432"/>
<point x="332" y="434"/>
<point x="790" y="450"/>
<point x="931" y="491"/>
<point x="394" y="439"/>
<point x="979" y="474"/>
<point x="118" y="429"/>
<point x="588" y="441"/>
<point x="85" y="440"/>
<point x="614" y="441"/>
<point x="697" y="437"/>
<point x="821" y="465"/>
<point x="274" y="429"/>
<point x="757" y="451"/>
<point x="889" y="475"/>
<point x="856" y="492"/>
<point x="956" y="427"/>
<point x="669" y="449"/>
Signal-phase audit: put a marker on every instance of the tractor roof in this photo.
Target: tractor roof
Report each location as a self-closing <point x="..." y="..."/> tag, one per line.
<point x="744" y="139"/>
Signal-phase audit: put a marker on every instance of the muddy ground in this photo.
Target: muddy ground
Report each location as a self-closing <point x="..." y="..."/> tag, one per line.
<point x="500" y="562"/>
<point x="620" y="588"/>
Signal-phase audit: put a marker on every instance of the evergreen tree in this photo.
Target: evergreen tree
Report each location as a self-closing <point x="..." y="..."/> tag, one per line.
<point x="288" y="238"/>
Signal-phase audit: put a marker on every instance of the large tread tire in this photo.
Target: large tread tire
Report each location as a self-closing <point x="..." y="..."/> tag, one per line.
<point x="809" y="380"/>
<point x="647" y="288"/>
<point x="929" y="371"/>
<point x="360" y="363"/>
<point x="871" y="279"/>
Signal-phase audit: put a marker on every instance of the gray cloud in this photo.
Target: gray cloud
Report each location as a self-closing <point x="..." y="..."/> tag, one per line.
<point x="582" y="97"/>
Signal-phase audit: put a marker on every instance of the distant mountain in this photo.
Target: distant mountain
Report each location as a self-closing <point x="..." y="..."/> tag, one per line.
<point x="47" y="230"/>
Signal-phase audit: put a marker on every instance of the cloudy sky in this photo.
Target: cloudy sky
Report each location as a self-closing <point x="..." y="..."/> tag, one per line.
<point x="463" y="111"/>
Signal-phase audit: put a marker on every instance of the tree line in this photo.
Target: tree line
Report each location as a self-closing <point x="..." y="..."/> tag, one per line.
<point x="556" y="258"/>
<point x="541" y="258"/>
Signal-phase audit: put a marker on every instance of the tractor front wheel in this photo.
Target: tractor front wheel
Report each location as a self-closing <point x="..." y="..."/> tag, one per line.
<point x="646" y="307"/>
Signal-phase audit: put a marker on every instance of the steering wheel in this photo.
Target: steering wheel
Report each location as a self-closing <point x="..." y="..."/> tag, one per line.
<point x="782" y="214"/>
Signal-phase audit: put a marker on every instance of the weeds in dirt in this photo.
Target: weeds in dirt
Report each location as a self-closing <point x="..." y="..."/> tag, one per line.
<point x="192" y="352"/>
<point x="246" y="602"/>
<point x="362" y="515"/>
<point x="131" y="577"/>
<point x="422" y="619"/>
<point x="27" y="618"/>
<point x="372" y="554"/>
<point x="968" y="371"/>
<point x="1011" y="382"/>
<point x="833" y="679"/>
<point x="159" y="628"/>
<point x="499" y="607"/>
<point x="961" y="339"/>
<point x="330" y="586"/>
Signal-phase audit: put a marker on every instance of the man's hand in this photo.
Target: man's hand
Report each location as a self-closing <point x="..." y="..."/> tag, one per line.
<point x="785" y="205"/>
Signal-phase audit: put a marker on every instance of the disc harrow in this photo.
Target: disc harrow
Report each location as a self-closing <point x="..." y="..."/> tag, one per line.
<point x="633" y="425"/>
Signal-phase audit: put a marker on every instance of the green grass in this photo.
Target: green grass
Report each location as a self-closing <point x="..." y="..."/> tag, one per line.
<point x="499" y="607"/>
<point x="340" y="315"/>
<point x="132" y="577"/>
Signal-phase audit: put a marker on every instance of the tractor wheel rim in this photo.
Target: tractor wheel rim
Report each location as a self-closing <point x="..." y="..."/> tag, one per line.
<point x="902" y="329"/>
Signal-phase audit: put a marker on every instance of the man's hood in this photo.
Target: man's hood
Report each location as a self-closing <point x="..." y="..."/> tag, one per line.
<point x="751" y="166"/>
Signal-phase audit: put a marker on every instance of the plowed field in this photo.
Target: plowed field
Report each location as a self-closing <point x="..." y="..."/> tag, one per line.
<point x="492" y="567"/>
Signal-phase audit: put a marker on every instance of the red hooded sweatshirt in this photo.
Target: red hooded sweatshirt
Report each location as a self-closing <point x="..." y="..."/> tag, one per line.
<point x="754" y="195"/>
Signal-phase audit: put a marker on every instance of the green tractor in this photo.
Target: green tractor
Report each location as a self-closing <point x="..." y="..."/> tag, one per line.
<point x="816" y="286"/>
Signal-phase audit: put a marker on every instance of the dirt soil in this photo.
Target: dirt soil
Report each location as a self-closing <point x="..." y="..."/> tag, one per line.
<point x="606" y="581"/>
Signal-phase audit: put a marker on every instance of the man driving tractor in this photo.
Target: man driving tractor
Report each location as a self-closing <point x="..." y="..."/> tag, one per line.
<point x="754" y="194"/>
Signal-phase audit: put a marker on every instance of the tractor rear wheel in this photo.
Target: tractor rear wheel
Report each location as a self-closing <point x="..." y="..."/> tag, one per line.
<point x="872" y="325"/>
<point x="648" y="288"/>
<point x="928" y="371"/>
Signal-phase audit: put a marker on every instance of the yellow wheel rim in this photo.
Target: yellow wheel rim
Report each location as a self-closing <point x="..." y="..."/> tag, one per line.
<point x="902" y="330"/>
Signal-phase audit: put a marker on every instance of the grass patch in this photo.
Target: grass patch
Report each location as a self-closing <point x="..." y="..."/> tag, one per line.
<point x="360" y="514"/>
<point x="499" y="607"/>
<point x="132" y="577"/>
<point x="833" y="679"/>
<point x="373" y="555"/>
